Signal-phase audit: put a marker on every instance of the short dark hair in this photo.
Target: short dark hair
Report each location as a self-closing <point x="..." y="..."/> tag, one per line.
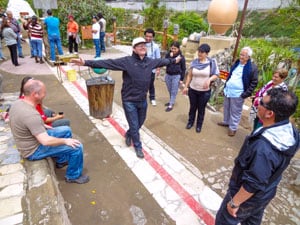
<point x="99" y="15"/>
<point x="49" y="12"/>
<point x="282" y="103"/>
<point x="204" y="48"/>
<point x="149" y="30"/>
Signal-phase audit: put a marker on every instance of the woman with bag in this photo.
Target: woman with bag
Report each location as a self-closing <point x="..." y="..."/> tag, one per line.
<point x="202" y="72"/>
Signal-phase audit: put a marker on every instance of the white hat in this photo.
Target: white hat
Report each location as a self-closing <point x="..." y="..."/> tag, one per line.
<point x="138" y="41"/>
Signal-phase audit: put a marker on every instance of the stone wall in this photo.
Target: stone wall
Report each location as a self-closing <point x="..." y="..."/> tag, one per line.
<point x="202" y="5"/>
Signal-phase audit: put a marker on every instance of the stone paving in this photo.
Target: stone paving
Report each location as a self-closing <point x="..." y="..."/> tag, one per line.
<point x="12" y="173"/>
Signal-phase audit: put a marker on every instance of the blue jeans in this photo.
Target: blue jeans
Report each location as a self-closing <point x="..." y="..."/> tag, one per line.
<point x="135" y="113"/>
<point x="249" y="213"/>
<point x="102" y="44"/>
<point x="37" y="46"/>
<point x="54" y="40"/>
<point x="19" y="45"/>
<point x="97" y="47"/>
<point x="62" y="153"/>
<point x="172" y="82"/>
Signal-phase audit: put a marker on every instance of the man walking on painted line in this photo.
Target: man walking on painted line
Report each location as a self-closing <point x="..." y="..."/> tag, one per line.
<point x="264" y="156"/>
<point x="35" y="142"/>
<point x="137" y="70"/>
<point x="153" y="52"/>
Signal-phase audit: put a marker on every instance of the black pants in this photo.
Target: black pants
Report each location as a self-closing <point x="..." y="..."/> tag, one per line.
<point x="151" y="87"/>
<point x="72" y="42"/>
<point x="13" y="54"/>
<point x="198" y="101"/>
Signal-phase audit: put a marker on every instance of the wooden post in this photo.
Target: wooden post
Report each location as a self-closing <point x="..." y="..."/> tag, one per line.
<point x="115" y="31"/>
<point x="100" y="96"/>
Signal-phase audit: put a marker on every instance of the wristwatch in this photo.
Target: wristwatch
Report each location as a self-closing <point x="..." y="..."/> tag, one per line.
<point x="232" y="205"/>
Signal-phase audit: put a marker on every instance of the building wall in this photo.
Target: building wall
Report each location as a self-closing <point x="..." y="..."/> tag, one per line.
<point x="202" y="5"/>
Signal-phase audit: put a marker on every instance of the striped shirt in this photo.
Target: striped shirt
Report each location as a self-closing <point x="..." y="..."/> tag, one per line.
<point x="36" y="31"/>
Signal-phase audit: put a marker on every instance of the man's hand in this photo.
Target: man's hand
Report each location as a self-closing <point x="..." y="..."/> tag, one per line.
<point x="72" y="142"/>
<point x="232" y="211"/>
<point x="78" y="62"/>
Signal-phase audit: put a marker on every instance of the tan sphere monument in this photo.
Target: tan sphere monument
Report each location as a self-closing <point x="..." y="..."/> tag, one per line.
<point x="222" y="14"/>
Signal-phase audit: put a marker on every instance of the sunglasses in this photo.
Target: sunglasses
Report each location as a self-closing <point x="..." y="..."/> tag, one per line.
<point x="263" y="104"/>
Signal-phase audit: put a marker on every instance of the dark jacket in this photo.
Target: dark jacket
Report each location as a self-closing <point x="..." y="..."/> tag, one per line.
<point x="264" y="156"/>
<point x="136" y="73"/>
<point x="250" y="77"/>
<point x="177" y="68"/>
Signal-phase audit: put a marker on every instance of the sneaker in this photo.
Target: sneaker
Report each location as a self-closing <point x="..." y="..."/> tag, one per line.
<point x="231" y="133"/>
<point x="168" y="109"/>
<point x="222" y="124"/>
<point x="139" y="153"/>
<point x="80" y="180"/>
<point x="61" y="165"/>
<point x="21" y="56"/>
<point x="153" y="102"/>
<point x="4" y="58"/>
<point x="127" y="140"/>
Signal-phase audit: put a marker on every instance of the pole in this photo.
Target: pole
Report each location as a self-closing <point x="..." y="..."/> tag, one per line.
<point x="240" y="31"/>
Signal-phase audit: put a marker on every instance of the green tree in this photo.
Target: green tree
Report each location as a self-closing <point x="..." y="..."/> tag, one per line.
<point x="154" y="14"/>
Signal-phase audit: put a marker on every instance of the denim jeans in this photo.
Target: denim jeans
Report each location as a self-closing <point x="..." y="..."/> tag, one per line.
<point x="54" y="40"/>
<point x="97" y="47"/>
<point x="1" y="54"/>
<point x="172" y="82"/>
<point x="19" y="45"/>
<point x="62" y="153"/>
<point x="249" y="213"/>
<point x="31" y="48"/>
<point x="198" y="101"/>
<point x="102" y="44"/>
<point x="37" y="46"/>
<point x="135" y="113"/>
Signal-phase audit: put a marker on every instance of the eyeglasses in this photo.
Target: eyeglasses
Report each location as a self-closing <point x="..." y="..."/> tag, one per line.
<point x="263" y="104"/>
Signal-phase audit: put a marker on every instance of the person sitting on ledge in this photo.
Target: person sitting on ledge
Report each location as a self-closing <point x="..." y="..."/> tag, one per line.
<point x="35" y="142"/>
<point x="49" y="117"/>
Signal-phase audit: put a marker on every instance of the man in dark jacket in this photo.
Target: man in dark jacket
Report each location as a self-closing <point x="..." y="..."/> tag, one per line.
<point x="239" y="85"/>
<point x="137" y="70"/>
<point x="264" y="156"/>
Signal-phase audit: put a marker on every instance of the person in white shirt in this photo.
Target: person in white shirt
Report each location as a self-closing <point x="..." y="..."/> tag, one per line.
<point x="96" y="33"/>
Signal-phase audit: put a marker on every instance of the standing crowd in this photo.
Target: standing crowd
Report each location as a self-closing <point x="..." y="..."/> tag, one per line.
<point x="264" y="156"/>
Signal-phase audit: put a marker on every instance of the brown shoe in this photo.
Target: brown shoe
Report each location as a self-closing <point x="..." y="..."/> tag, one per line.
<point x="231" y="133"/>
<point x="222" y="124"/>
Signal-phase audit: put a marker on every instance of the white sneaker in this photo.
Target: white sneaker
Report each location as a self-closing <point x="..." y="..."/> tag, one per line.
<point x="153" y="102"/>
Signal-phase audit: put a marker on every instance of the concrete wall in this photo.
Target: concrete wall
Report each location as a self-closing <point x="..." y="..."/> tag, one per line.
<point x="202" y="5"/>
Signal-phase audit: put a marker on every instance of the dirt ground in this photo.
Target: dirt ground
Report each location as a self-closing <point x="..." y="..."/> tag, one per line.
<point x="113" y="190"/>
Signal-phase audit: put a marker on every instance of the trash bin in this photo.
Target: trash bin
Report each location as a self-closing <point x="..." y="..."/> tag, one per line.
<point x="100" y="95"/>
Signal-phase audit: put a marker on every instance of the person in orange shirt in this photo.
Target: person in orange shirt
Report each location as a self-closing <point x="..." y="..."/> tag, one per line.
<point x="72" y="28"/>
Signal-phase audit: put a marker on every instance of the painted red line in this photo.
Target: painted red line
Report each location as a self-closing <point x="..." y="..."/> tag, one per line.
<point x="187" y="198"/>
